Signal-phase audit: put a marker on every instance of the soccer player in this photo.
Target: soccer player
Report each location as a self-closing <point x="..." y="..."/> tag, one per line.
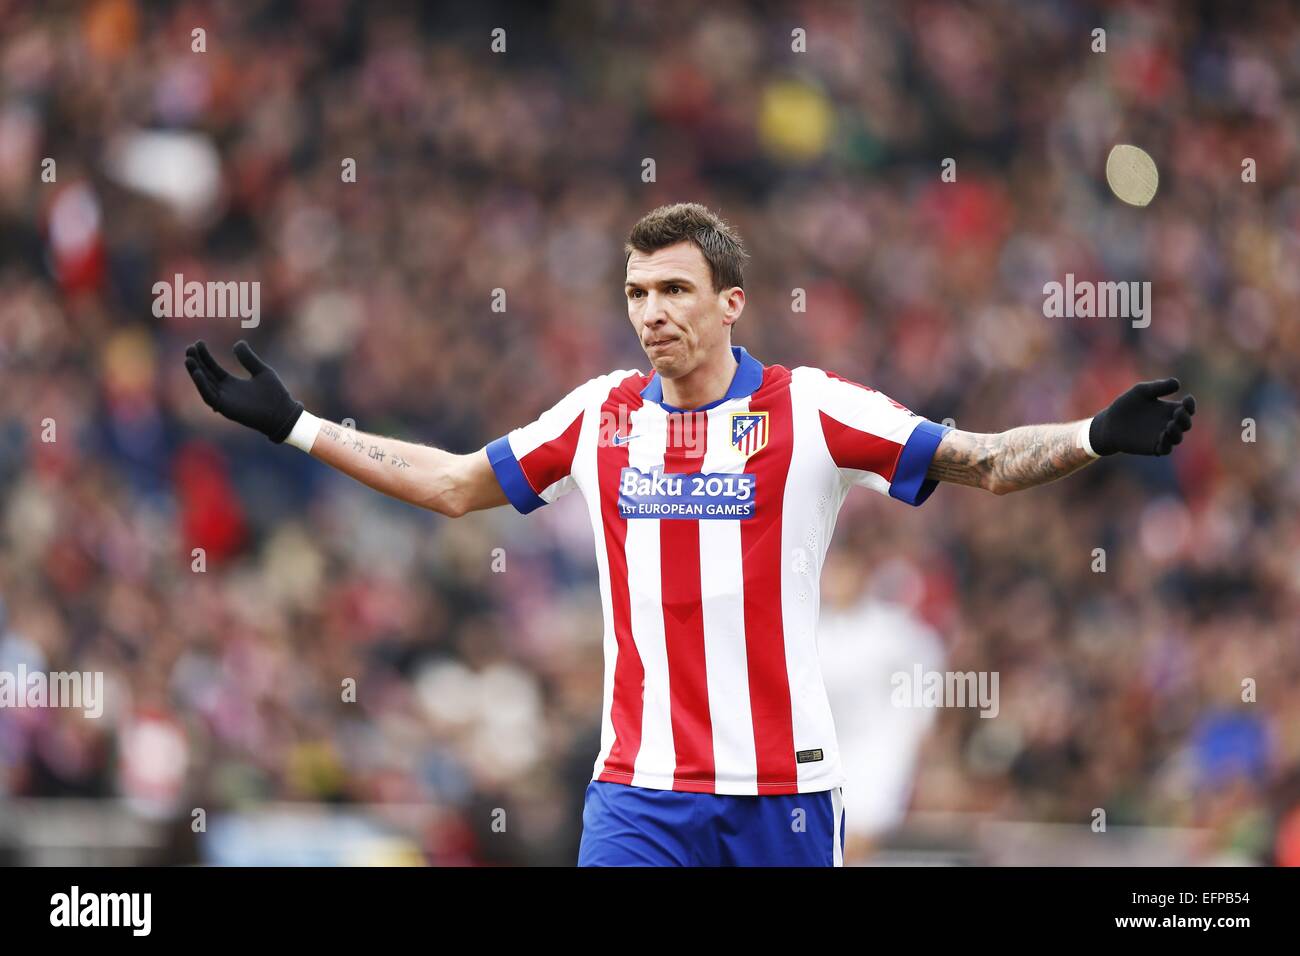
<point x="712" y="484"/>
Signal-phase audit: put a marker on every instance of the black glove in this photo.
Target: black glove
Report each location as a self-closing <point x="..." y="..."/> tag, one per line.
<point x="1139" y="422"/>
<point x="260" y="402"/>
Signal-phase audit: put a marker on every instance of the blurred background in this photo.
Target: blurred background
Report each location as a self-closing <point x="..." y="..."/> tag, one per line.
<point x="476" y="718"/>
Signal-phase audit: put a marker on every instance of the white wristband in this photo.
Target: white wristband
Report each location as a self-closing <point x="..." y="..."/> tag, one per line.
<point x="1084" y="428"/>
<point x="304" y="431"/>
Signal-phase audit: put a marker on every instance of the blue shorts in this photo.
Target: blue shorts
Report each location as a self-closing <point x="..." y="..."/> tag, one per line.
<point x="635" y="826"/>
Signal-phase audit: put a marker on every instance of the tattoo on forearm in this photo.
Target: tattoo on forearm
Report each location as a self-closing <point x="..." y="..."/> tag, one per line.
<point x="963" y="458"/>
<point x="1010" y="460"/>
<point x="353" y="440"/>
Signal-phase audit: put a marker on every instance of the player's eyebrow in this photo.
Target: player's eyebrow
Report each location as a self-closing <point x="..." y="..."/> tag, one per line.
<point x="661" y="283"/>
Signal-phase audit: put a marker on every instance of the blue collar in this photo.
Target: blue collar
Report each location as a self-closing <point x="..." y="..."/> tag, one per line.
<point x="749" y="375"/>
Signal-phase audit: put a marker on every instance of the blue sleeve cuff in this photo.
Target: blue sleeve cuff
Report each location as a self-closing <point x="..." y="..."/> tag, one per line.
<point x="511" y="476"/>
<point x="910" y="484"/>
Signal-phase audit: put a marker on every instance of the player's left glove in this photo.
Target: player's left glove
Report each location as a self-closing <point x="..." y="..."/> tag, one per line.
<point x="1140" y="422"/>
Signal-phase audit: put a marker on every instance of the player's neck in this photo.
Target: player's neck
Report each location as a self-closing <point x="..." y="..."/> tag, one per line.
<point x="707" y="383"/>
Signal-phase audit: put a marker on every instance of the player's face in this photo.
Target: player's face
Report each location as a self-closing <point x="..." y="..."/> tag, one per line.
<point x="674" y="309"/>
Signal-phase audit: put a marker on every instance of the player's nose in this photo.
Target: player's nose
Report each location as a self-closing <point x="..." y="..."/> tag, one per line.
<point x="657" y="308"/>
<point x="655" y="318"/>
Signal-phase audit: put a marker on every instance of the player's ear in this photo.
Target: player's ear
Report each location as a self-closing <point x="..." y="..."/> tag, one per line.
<point x="733" y="303"/>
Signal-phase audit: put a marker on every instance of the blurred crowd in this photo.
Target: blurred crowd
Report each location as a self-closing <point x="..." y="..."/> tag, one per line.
<point x="474" y="645"/>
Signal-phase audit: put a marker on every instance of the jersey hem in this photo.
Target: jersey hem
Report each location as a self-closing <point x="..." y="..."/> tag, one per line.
<point x="723" y="788"/>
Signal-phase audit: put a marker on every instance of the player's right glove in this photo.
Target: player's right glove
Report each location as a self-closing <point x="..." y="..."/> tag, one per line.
<point x="1140" y="422"/>
<point x="260" y="402"/>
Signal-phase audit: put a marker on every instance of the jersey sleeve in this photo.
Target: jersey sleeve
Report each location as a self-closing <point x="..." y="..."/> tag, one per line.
<point x="534" y="463"/>
<point x="877" y="443"/>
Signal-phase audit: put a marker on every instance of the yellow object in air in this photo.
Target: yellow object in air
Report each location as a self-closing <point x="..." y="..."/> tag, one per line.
<point x="1132" y="174"/>
<point x="794" y="120"/>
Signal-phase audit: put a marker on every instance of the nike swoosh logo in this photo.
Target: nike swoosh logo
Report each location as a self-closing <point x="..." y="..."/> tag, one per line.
<point x="624" y="439"/>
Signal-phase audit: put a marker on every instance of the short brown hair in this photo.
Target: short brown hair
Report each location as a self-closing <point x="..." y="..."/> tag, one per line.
<point x="700" y="226"/>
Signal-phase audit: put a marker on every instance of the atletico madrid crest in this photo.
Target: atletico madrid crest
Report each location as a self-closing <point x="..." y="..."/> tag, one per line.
<point x="748" y="432"/>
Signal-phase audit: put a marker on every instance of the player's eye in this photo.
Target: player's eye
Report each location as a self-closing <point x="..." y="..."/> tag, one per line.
<point x="635" y="293"/>
<point x="675" y="289"/>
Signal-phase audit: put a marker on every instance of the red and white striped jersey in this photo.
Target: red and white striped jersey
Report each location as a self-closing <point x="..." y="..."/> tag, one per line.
<point x="711" y="526"/>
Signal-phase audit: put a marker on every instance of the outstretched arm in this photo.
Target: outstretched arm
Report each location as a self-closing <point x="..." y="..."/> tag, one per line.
<point x="421" y="475"/>
<point x="1139" y="422"/>
<point x="427" y="477"/>
<point x="1010" y="460"/>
